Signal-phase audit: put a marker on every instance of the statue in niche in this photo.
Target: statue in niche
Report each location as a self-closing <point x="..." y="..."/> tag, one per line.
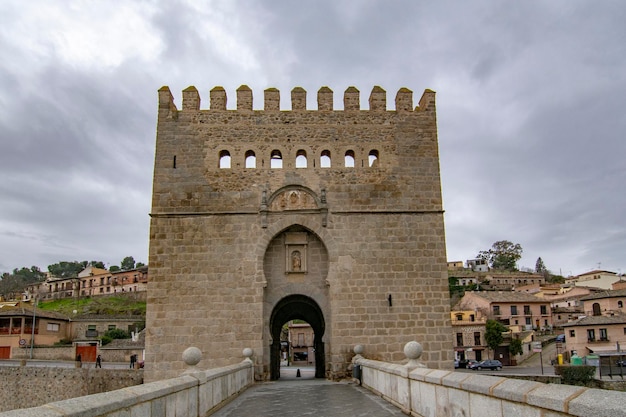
<point x="296" y="261"/>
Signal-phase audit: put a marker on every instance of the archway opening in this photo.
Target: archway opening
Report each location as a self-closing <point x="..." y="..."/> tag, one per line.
<point x="297" y="309"/>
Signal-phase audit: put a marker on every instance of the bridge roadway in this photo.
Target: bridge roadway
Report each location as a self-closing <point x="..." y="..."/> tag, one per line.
<point x="307" y="396"/>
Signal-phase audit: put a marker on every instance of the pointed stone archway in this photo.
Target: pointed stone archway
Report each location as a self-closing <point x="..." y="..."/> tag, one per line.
<point x="301" y="307"/>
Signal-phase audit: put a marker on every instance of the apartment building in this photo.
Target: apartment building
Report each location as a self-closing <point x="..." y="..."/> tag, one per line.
<point x="468" y="330"/>
<point x="510" y="308"/>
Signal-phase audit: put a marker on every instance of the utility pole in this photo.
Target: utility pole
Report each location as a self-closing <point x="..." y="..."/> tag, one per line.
<point x="32" y="336"/>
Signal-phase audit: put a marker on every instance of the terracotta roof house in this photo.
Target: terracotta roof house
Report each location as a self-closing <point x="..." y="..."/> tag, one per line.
<point x="510" y="308"/>
<point x="603" y="335"/>
<point x="17" y="330"/>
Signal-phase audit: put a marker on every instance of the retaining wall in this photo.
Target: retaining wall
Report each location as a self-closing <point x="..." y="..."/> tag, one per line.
<point x="191" y="395"/>
<point x="428" y="392"/>
<point x="23" y="386"/>
<point x="53" y="353"/>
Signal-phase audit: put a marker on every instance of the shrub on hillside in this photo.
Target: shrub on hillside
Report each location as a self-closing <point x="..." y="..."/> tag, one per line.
<point x="576" y="375"/>
<point x="113" y="334"/>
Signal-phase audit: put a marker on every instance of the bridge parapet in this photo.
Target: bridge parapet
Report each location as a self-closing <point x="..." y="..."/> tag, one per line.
<point x="193" y="394"/>
<point x="420" y="391"/>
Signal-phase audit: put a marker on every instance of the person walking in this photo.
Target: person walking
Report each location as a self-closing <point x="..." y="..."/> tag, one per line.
<point x="99" y="361"/>
<point x="133" y="359"/>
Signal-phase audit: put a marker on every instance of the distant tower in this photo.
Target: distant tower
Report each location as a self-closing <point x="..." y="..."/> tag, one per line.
<point x="330" y="216"/>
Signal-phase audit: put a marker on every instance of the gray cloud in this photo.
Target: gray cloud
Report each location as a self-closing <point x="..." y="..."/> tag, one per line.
<point x="530" y="96"/>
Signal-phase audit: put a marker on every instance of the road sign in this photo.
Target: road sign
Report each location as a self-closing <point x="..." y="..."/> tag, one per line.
<point x="536" y="347"/>
<point x="22" y="342"/>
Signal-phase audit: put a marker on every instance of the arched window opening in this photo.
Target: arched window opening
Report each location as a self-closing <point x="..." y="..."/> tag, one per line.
<point x="373" y="158"/>
<point x="250" y="159"/>
<point x="224" y="159"/>
<point x="276" y="159"/>
<point x="325" y="159"/>
<point x="620" y="304"/>
<point x="301" y="161"/>
<point x="349" y="159"/>
<point x="596" y="309"/>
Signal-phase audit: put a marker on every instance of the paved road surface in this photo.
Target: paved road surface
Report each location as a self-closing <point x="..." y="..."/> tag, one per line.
<point x="307" y="396"/>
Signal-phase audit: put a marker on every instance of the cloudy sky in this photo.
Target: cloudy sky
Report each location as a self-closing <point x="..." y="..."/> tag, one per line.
<point x="531" y="98"/>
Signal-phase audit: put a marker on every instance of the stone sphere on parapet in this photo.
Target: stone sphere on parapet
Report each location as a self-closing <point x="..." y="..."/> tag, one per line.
<point x="192" y="356"/>
<point x="358" y="349"/>
<point x="247" y="353"/>
<point x="413" y="350"/>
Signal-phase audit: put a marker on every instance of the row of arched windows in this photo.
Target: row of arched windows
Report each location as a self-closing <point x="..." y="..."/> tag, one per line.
<point x="302" y="161"/>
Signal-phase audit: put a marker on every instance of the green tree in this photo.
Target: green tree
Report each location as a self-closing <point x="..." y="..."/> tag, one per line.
<point x="503" y="255"/>
<point x="515" y="348"/>
<point x="66" y="269"/>
<point x="97" y="264"/>
<point x="127" y="263"/>
<point x="540" y="268"/>
<point x="13" y="284"/>
<point x="493" y="334"/>
<point x="114" y="268"/>
<point x="559" y="279"/>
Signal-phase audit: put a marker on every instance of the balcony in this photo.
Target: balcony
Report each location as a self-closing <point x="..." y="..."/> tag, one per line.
<point x="598" y="340"/>
<point x="476" y="322"/>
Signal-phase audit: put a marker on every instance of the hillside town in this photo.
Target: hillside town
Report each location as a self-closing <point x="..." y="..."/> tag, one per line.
<point x="584" y="316"/>
<point x="79" y="334"/>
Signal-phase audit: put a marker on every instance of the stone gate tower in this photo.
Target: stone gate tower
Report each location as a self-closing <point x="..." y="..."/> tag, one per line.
<point x="263" y="216"/>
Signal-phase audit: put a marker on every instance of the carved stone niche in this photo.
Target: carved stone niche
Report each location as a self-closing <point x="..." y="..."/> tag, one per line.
<point x="296" y="244"/>
<point x="293" y="200"/>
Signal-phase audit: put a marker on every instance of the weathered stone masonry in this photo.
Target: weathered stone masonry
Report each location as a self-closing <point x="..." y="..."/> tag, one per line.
<point x="358" y="251"/>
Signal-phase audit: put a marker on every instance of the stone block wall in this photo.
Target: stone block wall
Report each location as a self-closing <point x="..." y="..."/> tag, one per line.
<point x="194" y="394"/>
<point x="60" y="353"/>
<point x="428" y="392"/>
<point x="376" y="261"/>
<point x="33" y="386"/>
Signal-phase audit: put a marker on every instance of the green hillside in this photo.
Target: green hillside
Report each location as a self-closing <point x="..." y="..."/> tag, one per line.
<point x="113" y="305"/>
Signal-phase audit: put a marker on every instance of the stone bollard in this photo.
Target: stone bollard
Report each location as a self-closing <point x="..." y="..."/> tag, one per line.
<point x="358" y="352"/>
<point x="192" y="357"/>
<point x="413" y="350"/>
<point x="354" y="368"/>
<point x="247" y="353"/>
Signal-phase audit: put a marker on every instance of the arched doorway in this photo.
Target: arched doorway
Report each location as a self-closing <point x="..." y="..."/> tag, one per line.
<point x="303" y="308"/>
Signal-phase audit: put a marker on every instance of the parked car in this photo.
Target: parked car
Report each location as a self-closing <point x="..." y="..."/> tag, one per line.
<point x="465" y="363"/>
<point x="487" y="364"/>
<point x="560" y="338"/>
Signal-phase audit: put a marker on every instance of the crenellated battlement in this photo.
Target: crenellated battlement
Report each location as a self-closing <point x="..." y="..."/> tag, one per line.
<point x="271" y="101"/>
